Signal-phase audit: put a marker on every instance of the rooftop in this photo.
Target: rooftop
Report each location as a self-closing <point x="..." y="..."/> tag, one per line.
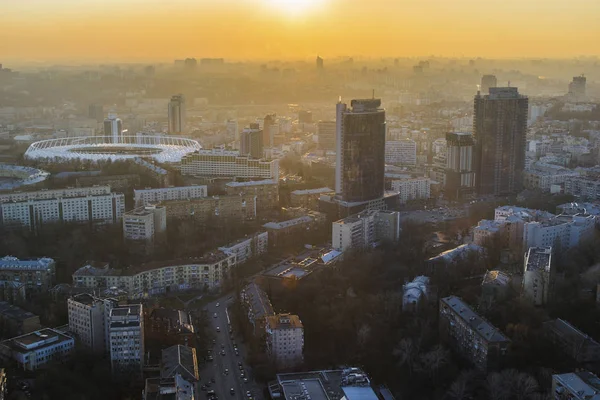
<point x="143" y="211"/>
<point x="312" y="191"/>
<point x="479" y="325"/>
<point x="326" y="385"/>
<point x="37" y="340"/>
<point x="14" y="312"/>
<point x="289" y="223"/>
<point x="497" y="278"/>
<point x="583" y="383"/>
<point x="565" y="329"/>
<point x="252" y="183"/>
<point x="284" y="321"/>
<point x="489" y="225"/>
<point x="258" y="301"/>
<point x="13" y="263"/>
<point x="457" y="253"/>
<point x="538" y="258"/>
<point x="180" y="360"/>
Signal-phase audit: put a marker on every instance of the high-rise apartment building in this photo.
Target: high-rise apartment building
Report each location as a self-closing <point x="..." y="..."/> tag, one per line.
<point x="251" y="141"/>
<point x="360" y="159"/>
<point x="126" y="335"/>
<point x="96" y="111"/>
<point x="113" y="127"/>
<point x="89" y="320"/>
<point x="285" y="340"/>
<point x="460" y="174"/>
<point x="233" y="130"/>
<point x="487" y="82"/>
<point x="500" y="127"/>
<point x="412" y="189"/>
<point x="577" y="86"/>
<point x="177" y="114"/>
<point x="270" y="128"/>
<point x="326" y="135"/>
<point x="145" y="223"/>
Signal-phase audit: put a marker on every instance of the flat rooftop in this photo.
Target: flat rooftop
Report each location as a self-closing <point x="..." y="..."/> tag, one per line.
<point x="284" y="321"/>
<point x="479" y="325"/>
<point x="14" y="312"/>
<point x="37" y="340"/>
<point x="252" y="183"/>
<point x="539" y="258"/>
<point x="584" y="383"/>
<point x="312" y="191"/>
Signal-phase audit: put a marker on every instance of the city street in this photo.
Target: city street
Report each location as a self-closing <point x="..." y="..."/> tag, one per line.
<point x="224" y="368"/>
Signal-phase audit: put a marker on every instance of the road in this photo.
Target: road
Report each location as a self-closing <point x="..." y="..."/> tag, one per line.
<point x="216" y="369"/>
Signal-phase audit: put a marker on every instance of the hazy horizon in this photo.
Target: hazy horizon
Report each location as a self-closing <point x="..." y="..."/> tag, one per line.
<point x="138" y="31"/>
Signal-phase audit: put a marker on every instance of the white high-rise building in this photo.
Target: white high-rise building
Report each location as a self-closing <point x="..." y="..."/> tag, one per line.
<point x="412" y="189"/>
<point x="126" y="334"/>
<point x="537" y="275"/>
<point x="145" y="197"/>
<point x="89" y="320"/>
<point x="144" y="223"/>
<point x="401" y="152"/>
<point x="113" y="127"/>
<point x="285" y="340"/>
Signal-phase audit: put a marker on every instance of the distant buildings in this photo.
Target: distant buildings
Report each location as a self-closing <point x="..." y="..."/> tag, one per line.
<point x="500" y="127"/>
<point x="15" y="321"/>
<point x="412" y="189"/>
<point x="270" y="129"/>
<point x="581" y="385"/>
<point x="223" y="163"/>
<point x="285" y="232"/>
<point x="285" y="340"/>
<point x="326" y="134"/>
<point x="126" y="333"/>
<point x="89" y="320"/>
<point x="460" y="172"/>
<point x="487" y="82"/>
<point x="577" y="87"/>
<point x="93" y="205"/>
<point x="145" y="197"/>
<point x="96" y="111"/>
<point x="495" y="287"/>
<point x="471" y="336"/>
<point x="247" y="248"/>
<point x="571" y="341"/>
<point x="215" y="209"/>
<point x="364" y="230"/>
<point x="36" y="349"/>
<point x="37" y="274"/>
<point x="415" y="293"/>
<point x="177" y="114"/>
<point x="309" y="198"/>
<point x="265" y="191"/>
<point x="233" y="130"/>
<point x="401" y="152"/>
<point x="251" y="142"/>
<point x="319" y="63"/>
<point x="145" y="223"/>
<point x="583" y="187"/>
<point x="563" y="232"/>
<point x="537" y="275"/>
<point x="113" y="127"/>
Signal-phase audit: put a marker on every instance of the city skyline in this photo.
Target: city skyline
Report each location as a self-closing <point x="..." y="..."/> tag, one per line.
<point x="298" y="29"/>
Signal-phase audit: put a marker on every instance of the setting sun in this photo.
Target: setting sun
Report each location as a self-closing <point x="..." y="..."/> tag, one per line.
<point x="294" y="7"/>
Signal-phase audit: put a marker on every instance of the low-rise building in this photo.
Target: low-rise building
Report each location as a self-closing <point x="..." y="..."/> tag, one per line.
<point x="145" y="197"/>
<point x="126" y="333"/>
<point x="580" y="385"/>
<point x="175" y="388"/>
<point x="471" y="336"/>
<point x="37" y="274"/>
<point x="583" y="188"/>
<point x="412" y="189"/>
<point x="537" y="275"/>
<point x="219" y="209"/>
<point x="285" y="340"/>
<point x="89" y="320"/>
<point x="285" y="232"/>
<point x="247" y="248"/>
<point x="170" y="325"/>
<point x="365" y="230"/>
<point x="415" y="293"/>
<point x="258" y="306"/>
<point x="116" y="182"/>
<point x="309" y="198"/>
<point x="571" y="341"/>
<point x="495" y="287"/>
<point x="36" y="349"/>
<point x="265" y="191"/>
<point x="16" y="321"/>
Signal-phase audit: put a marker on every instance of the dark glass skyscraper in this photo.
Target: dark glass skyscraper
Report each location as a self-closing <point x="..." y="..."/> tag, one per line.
<point x="177" y="114"/>
<point x="499" y="129"/>
<point x="360" y="147"/>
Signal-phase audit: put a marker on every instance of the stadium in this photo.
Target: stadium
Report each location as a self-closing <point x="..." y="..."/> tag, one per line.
<point x="14" y="176"/>
<point x="162" y="149"/>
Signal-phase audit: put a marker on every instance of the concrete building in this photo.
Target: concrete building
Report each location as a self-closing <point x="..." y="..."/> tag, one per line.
<point x="37" y="274"/>
<point x="251" y="142"/>
<point x="563" y="232"/>
<point x="415" y="293"/>
<point x="266" y="192"/>
<point x="286" y="232"/>
<point x="270" y="129"/>
<point x="94" y="205"/>
<point x="580" y="385"/>
<point x="230" y="164"/>
<point x="326" y="135"/>
<point x="309" y="198"/>
<point x="459" y="179"/>
<point x="583" y="188"/>
<point x="156" y="278"/>
<point x="145" y="223"/>
<point x="126" y="333"/>
<point x="487" y="82"/>
<point x="285" y="340"/>
<point x="412" y="189"/>
<point x="15" y="321"/>
<point x="471" y="336"/>
<point x="572" y="342"/>
<point x="13" y="292"/>
<point x="365" y="230"/>
<point x="248" y="248"/>
<point x="167" y="325"/>
<point x="178" y="378"/>
<point x="577" y="87"/>
<point x="495" y="287"/>
<point x="145" y="197"/>
<point x="36" y="349"/>
<point x="537" y="275"/>
<point x="258" y="306"/>
<point x="177" y="114"/>
<point x="117" y="183"/>
<point x="500" y="127"/>
<point x="401" y="152"/>
<point x="113" y="127"/>
<point x="175" y="388"/>
<point x="89" y="320"/>
<point x="235" y="208"/>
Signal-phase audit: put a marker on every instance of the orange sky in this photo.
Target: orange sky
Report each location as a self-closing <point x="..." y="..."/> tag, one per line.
<point x="244" y="29"/>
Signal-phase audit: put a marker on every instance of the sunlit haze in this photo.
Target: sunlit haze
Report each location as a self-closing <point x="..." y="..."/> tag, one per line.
<point x="248" y="29"/>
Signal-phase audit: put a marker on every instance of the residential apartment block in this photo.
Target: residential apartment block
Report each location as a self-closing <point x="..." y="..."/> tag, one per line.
<point x="145" y="223"/>
<point x="565" y="231"/>
<point x="82" y="205"/>
<point x="258" y="306"/>
<point x="219" y="209"/>
<point x="365" y="229"/>
<point x="285" y="340"/>
<point x="126" y="334"/>
<point x="571" y="341"/>
<point x="309" y="198"/>
<point x="247" y="248"/>
<point x="412" y="189"/>
<point x="15" y="321"/>
<point x="37" y="274"/>
<point x="580" y="385"/>
<point x="471" y="336"/>
<point x="89" y="320"/>
<point x="401" y="152"/>
<point x="36" y="349"/>
<point x="167" y="325"/>
<point x="282" y="233"/>
<point x="265" y="191"/>
<point x="583" y="188"/>
<point x="537" y="275"/>
<point x="223" y="163"/>
<point x="145" y="197"/>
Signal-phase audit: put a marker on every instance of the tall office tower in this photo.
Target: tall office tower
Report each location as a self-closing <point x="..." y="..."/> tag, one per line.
<point x="96" y="111"/>
<point x="577" y="86"/>
<point x="269" y="129"/>
<point x="319" y="63"/>
<point x="360" y="135"/>
<point x="252" y="142"/>
<point x="487" y="82"/>
<point x="460" y="176"/>
<point x="233" y="130"/>
<point x="177" y="114"/>
<point x="126" y="339"/>
<point x="326" y="135"/>
<point x="500" y="127"/>
<point x="113" y="127"/>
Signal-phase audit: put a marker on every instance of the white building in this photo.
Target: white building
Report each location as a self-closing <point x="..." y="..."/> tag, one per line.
<point x="582" y="187"/>
<point x="566" y="231"/>
<point x="403" y="152"/>
<point x="145" y="223"/>
<point x="36" y="349"/>
<point x="487" y="230"/>
<point x="285" y="340"/>
<point x="144" y="197"/>
<point x="156" y="278"/>
<point x="365" y="229"/>
<point x="414" y="293"/>
<point x="113" y="127"/>
<point x="88" y="319"/>
<point x="224" y="163"/>
<point x="85" y="205"/>
<point x="126" y="333"/>
<point x="412" y="189"/>
<point x="245" y="249"/>
<point x="34" y="274"/>
<point x="537" y="275"/>
<point x="581" y="385"/>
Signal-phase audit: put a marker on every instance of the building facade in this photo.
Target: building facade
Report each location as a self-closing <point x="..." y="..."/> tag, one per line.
<point x="365" y="229"/>
<point x="487" y="82"/>
<point x="36" y="349"/>
<point x="216" y="209"/>
<point x="401" y="152"/>
<point x="580" y="385"/>
<point x="537" y="275"/>
<point x="126" y="334"/>
<point x="266" y="192"/>
<point x="571" y="341"/>
<point x="285" y="340"/>
<point x="412" y="189"/>
<point x="177" y="114"/>
<point x="583" y="188"/>
<point x="247" y="248"/>
<point x="145" y="197"/>
<point x="113" y="127"/>
<point x="145" y="223"/>
<point x="251" y="142"/>
<point x="89" y="320"/>
<point x="500" y="127"/>
<point x="309" y="198"/>
<point x="562" y="232"/>
<point x="459" y="174"/>
<point x="230" y="164"/>
<point x="37" y="274"/>
<point x="15" y="321"/>
<point x="326" y="134"/>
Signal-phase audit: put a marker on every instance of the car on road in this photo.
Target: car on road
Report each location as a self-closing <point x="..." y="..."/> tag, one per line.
<point x="245" y="380"/>
<point x="237" y="353"/>
<point x="210" y="358"/>
<point x="214" y="341"/>
<point x="217" y="305"/>
<point x="249" y="394"/>
<point x="222" y="346"/>
<point x="226" y="371"/>
<point x="203" y="387"/>
<point x="210" y="393"/>
<point x="215" y="315"/>
<point x="240" y="364"/>
<point x="242" y="375"/>
<point x="218" y="329"/>
<point x="222" y="352"/>
<point x="232" y="391"/>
